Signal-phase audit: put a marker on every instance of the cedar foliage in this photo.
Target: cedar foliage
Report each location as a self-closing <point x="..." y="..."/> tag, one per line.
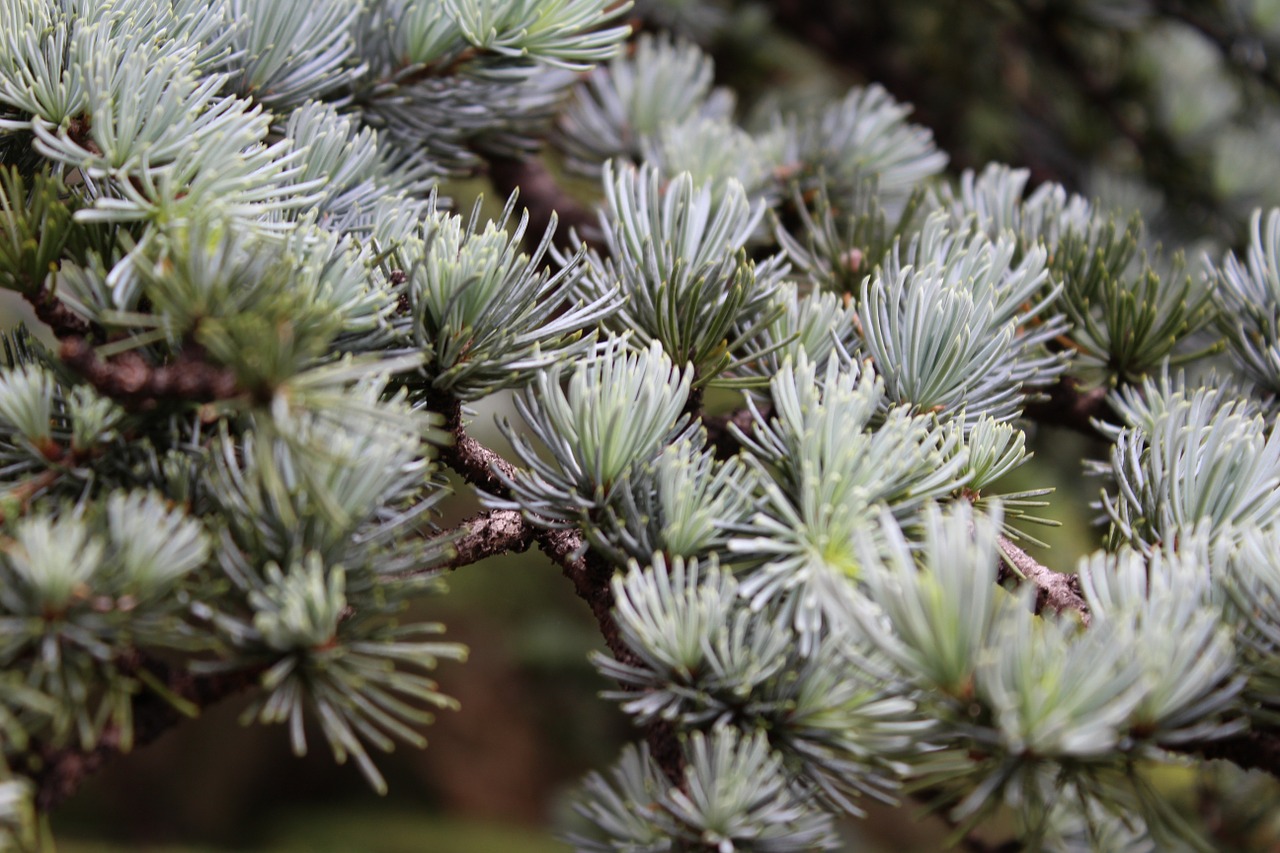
<point x="270" y="323"/>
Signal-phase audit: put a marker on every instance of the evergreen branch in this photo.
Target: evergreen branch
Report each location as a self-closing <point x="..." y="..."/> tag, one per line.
<point x="723" y="430"/>
<point x="252" y="175"/>
<point x="499" y="531"/>
<point x="543" y="197"/>
<point x="449" y="67"/>
<point x="19" y="497"/>
<point x="1069" y="406"/>
<point x="128" y="379"/>
<point x="589" y="572"/>
<point x="54" y="313"/>
<point x="473" y="460"/>
<point x="1252" y="750"/>
<point x="592" y="582"/>
<point x="63" y="770"/>
<point x="1054" y="591"/>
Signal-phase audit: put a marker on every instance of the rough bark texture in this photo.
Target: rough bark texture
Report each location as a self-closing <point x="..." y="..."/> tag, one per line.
<point x="1054" y="591"/>
<point x="1250" y="750"/>
<point x="137" y="385"/>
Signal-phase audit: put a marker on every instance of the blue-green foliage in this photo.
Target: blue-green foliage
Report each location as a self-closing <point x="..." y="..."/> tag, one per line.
<point x="231" y="212"/>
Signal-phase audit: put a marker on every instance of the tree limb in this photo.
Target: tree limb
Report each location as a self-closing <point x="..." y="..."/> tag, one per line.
<point x="51" y="311"/>
<point x="137" y="385"/>
<point x="1252" y="750"/>
<point x="590" y="574"/>
<point x="128" y="378"/>
<point x="498" y="531"/>
<point x="1054" y="591"/>
<point x="475" y="462"/>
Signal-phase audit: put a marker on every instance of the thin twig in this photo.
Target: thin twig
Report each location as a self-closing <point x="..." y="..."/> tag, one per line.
<point x="1251" y="750"/>
<point x="21" y="494"/>
<point x="1056" y="591"/>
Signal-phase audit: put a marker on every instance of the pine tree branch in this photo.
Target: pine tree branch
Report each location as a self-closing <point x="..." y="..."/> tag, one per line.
<point x="20" y="495"/>
<point x="130" y="380"/>
<point x="542" y="196"/>
<point x="51" y="311"/>
<point x="1251" y="750"/>
<point x="127" y="378"/>
<point x="721" y="438"/>
<point x="1055" y="591"/>
<point x="489" y="534"/>
<point x="1065" y="405"/>
<point x="1068" y="406"/>
<point x="590" y="574"/>
<point x="475" y="462"/>
<point x="478" y="463"/>
<point x="62" y="770"/>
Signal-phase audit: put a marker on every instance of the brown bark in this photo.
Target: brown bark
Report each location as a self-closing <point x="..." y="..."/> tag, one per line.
<point x="1055" y="591"/>
<point x="590" y="575"/>
<point x="137" y="385"/>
